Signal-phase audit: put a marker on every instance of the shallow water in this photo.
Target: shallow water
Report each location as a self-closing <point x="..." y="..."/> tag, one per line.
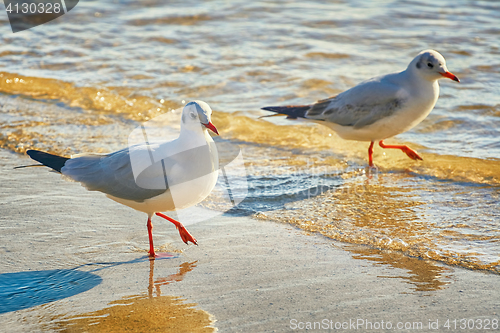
<point x="85" y="81"/>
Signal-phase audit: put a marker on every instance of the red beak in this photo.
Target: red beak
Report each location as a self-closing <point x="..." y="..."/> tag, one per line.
<point x="450" y="76"/>
<point x="211" y="127"/>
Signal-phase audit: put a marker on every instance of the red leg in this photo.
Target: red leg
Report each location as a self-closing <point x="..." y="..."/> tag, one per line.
<point x="407" y="150"/>
<point x="370" y="154"/>
<point x="150" y="233"/>
<point x="185" y="235"/>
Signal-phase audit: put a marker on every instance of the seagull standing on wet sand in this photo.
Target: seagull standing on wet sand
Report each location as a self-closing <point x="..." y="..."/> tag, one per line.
<point x="381" y="107"/>
<point x="152" y="177"/>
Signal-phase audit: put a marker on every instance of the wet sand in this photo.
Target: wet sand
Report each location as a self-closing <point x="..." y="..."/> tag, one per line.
<point x="246" y="275"/>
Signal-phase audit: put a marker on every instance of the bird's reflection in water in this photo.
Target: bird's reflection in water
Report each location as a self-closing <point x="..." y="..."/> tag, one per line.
<point x="143" y="313"/>
<point x="184" y="268"/>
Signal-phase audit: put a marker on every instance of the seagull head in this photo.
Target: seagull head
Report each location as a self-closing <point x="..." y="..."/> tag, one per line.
<point x="196" y="113"/>
<point x="431" y="65"/>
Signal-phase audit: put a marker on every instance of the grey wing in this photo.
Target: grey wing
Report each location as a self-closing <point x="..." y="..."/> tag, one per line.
<point x="113" y="174"/>
<point x="360" y="106"/>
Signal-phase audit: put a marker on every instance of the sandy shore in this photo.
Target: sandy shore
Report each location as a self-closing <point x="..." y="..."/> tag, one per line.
<point x="246" y="275"/>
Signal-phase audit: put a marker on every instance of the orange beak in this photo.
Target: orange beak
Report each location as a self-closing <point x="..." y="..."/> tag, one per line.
<point x="211" y="127"/>
<point x="450" y="76"/>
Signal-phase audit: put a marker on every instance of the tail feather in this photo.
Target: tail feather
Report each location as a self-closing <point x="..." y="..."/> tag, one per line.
<point x="52" y="161"/>
<point x="290" y="111"/>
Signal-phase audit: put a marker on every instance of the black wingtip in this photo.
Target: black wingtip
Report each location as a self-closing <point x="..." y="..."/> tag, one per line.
<point x="290" y="111"/>
<point x="272" y="108"/>
<point x="52" y="161"/>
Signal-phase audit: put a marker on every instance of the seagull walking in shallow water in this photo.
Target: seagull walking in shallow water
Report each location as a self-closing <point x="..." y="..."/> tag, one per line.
<point x="152" y="177"/>
<point x="381" y="107"/>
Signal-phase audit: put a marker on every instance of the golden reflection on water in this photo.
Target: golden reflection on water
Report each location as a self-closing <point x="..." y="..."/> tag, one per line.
<point x="393" y="212"/>
<point x="105" y="100"/>
<point x="143" y="313"/>
<point x="425" y="275"/>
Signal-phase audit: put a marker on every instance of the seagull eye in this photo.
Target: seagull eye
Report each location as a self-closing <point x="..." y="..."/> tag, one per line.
<point x="430" y="65"/>
<point x="192" y="115"/>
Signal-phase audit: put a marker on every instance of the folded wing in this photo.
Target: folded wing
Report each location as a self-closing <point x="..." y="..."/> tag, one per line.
<point x="359" y="106"/>
<point x="113" y="174"/>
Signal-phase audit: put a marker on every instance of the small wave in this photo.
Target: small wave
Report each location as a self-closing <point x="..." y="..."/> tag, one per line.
<point x="327" y="55"/>
<point x="174" y="20"/>
<point x="105" y="99"/>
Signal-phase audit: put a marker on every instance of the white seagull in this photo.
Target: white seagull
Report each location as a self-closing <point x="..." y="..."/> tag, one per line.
<point x="152" y="177"/>
<point x="381" y="107"/>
